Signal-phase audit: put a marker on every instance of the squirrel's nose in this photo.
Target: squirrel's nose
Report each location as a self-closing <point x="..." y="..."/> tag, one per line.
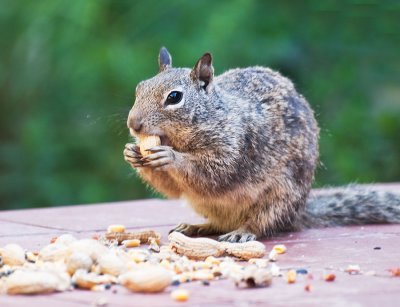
<point x="135" y="123"/>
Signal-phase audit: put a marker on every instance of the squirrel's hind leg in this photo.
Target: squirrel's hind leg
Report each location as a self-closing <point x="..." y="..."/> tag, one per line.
<point x="195" y="230"/>
<point x="240" y="235"/>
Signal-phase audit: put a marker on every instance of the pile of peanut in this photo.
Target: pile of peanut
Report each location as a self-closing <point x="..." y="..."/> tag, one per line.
<point x="135" y="260"/>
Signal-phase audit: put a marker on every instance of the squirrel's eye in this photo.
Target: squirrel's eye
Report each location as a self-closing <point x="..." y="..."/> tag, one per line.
<point x="173" y="98"/>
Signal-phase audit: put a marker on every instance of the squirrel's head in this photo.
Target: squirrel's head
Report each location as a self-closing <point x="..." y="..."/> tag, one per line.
<point x="169" y="104"/>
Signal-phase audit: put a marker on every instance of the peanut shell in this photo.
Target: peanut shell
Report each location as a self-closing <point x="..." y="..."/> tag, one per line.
<point x="147" y="280"/>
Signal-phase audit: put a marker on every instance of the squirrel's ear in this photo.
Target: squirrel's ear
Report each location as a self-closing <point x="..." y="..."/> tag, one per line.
<point x="164" y="59"/>
<point x="203" y="71"/>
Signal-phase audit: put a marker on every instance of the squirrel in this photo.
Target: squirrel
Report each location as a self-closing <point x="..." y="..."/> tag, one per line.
<point x="242" y="149"/>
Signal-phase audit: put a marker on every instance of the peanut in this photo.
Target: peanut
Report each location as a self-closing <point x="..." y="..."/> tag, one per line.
<point x="66" y="239"/>
<point x="53" y="252"/>
<point x="246" y="250"/>
<point x="195" y="248"/>
<point x="273" y="255"/>
<point x="112" y="264"/>
<point x="147" y="143"/>
<point x="261" y="263"/>
<point x="148" y="279"/>
<point x="252" y="277"/>
<point x="85" y="280"/>
<point x="202" y="275"/>
<point x="93" y="248"/>
<point x="12" y="254"/>
<point x="34" y="282"/>
<point x="78" y="260"/>
<point x="201" y="248"/>
<point x="143" y="236"/>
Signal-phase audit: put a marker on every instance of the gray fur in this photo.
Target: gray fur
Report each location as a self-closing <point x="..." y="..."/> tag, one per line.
<point x="242" y="149"/>
<point x="351" y="205"/>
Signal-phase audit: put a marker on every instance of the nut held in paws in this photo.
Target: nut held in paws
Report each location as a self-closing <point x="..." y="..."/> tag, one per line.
<point x="147" y="143"/>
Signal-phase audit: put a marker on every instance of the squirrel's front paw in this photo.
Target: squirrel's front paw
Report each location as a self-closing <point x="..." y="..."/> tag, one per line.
<point x="160" y="157"/>
<point x="132" y="155"/>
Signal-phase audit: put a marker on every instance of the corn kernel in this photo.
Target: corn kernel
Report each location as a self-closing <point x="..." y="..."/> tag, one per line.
<point x="115" y="228"/>
<point x="131" y="243"/>
<point x="180" y="295"/>
<point x="279" y="248"/>
<point x="291" y="276"/>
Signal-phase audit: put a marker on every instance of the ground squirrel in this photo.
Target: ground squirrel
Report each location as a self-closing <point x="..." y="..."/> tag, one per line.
<point x="242" y="148"/>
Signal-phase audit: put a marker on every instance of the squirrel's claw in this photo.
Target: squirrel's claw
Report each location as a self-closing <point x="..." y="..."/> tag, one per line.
<point x="160" y="156"/>
<point x="157" y="163"/>
<point x="133" y="147"/>
<point x="237" y="236"/>
<point x="159" y="148"/>
<point x="132" y="155"/>
<point x="195" y="230"/>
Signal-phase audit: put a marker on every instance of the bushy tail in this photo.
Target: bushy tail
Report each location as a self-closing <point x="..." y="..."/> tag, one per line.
<point x="351" y="205"/>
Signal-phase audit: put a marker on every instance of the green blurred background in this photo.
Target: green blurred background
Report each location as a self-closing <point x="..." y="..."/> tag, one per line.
<point x="68" y="70"/>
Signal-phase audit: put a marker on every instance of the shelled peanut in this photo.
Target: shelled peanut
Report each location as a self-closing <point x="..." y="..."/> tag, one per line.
<point x="147" y="143"/>
<point x="135" y="260"/>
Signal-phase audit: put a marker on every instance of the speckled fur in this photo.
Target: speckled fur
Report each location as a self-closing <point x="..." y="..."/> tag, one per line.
<point x="242" y="150"/>
<point x="351" y="205"/>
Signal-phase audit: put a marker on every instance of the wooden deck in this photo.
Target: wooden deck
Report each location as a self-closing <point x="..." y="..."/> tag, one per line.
<point x="373" y="248"/>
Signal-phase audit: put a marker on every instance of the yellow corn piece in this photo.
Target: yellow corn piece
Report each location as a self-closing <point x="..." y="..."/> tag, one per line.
<point x="291" y="276"/>
<point x="180" y="295"/>
<point x="115" y="228"/>
<point x="279" y="248"/>
<point x="131" y="243"/>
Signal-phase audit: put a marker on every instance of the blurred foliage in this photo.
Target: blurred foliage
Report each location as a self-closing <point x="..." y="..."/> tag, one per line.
<point x="68" y="69"/>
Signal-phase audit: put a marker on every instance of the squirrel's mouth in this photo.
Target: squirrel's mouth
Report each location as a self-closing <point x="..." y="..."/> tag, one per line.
<point x="165" y="140"/>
